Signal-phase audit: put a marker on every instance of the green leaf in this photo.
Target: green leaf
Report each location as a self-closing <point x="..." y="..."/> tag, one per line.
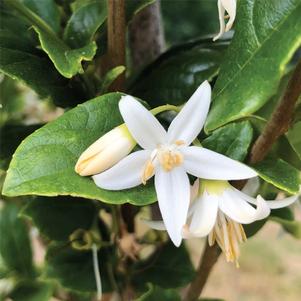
<point x="32" y="291"/>
<point x="66" y="60"/>
<point x="44" y="163"/>
<point x="110" y="77"/>
<point x="74" y="269"/>
<point x="47" y="10"/>
<point x="84" y="22"/>
<point x="280" y="174"/>
<point x="294" y="138"/>
<point x="156" y="293"/>
<point x="58" y="217"/>
<point x="134" y="7"/>
<point x="267" y="34"/>
<point x="15" y="248"/>
<point x="168" y="267"/>
<point x="285" y="217"/>
<point x="176" y="74"/>
<point x="232" y="140"/>
<point x="252" y="229"/>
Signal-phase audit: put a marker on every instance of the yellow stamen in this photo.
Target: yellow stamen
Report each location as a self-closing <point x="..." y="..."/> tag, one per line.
<point x="179" y="142"/>
<point x="148" y="171"/>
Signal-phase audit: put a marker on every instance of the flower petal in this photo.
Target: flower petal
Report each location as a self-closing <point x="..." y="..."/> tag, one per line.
<point x="230" y="7"/>
<point x="127" y="173"/>
<point x="221" y="14"/>
<point x="173" y="193"/>
<point x="189" y="122"/>
<point x="206" y="164"/>
<point x="204" y="215"/>
<point x="239" y="210"/>
<point x="143" y="126"/>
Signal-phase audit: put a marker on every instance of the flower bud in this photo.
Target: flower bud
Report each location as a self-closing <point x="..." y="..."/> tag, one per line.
<point x="105" y="152"/>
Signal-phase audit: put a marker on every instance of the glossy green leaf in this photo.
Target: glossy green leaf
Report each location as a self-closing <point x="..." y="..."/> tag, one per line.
<point x="176" y="74"/>
<point x="156" y="293"/>
<point x="47" y="10"/>
<point x="66" y="60"/>
<point x="58" y="217"/>
<point x="74" y="269"/>
<point x="32" y="291"/>
<point x="294" y="138"/>
<point x="280" y="174"/>
<point x="84" y="22"/>
<point x="232" y="140"/>
<point x="267" y="34"/>
<point x="110" y="77"/>
<point x="168" y="267"/>
<point x="15" y="248"/>
<point x="44" y="163"/>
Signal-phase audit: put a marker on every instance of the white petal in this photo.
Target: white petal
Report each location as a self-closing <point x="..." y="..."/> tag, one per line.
<point x="173" y="193"/>
<point x="239" y="210"/>
<point x="230" y="7"/>
<point x="189" y="122"/>
<point x="221" y="14"/>
<point x="156" y="225"/>
<point x="251" y="187"/>
<point x="206" y="164"/>
<point x="127" y="173"/>
<point x="204" y="215"/>
<point x="143" y="126"/>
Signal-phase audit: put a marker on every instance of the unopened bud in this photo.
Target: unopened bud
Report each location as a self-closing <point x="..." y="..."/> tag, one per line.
<point x="105" y="152"/>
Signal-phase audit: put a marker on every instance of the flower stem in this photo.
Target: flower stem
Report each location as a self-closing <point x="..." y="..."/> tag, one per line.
<point x="164" y="108"/>
<point x="96" y="271"/>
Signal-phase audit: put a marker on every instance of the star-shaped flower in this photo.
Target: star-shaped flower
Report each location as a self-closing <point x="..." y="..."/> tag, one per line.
<point x="169" y="156"/>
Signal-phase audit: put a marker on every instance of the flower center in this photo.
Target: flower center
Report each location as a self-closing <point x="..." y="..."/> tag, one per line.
<point x="228" y="234"/>
<point x="168" y="156"/>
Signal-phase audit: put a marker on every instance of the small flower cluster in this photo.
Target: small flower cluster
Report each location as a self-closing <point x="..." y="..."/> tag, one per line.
<point x="213" y="207"/>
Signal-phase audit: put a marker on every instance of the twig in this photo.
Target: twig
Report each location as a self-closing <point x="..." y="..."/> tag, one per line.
<point x="209" y="258"/>
<point x="281" y="118"/>
<point x="146" y="36"/>
<point x="116" y="40"/>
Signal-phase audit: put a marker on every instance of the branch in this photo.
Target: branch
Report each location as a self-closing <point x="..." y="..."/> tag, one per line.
<point x="116" y="40"/>
<point x="281" y="118"/>
<point x="208" y="260"/>
<point x="146" y="36"/>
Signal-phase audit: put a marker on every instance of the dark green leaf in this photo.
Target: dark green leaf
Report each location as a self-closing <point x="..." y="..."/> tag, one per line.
<point x="47" y="10"/>
<point x="232" y="140"/>
<point x="66" y="60"/>
<point x="294" y="137"/>
<point x="74" y="269"/>
<point x="285" y="217"/>
<point x="44" y="163"/>
<point x="32" y="291"/>
<point x="252" y="229"/>
<point x="156" y="293"/>
<point x="134" y="7"/>
<point x="168" y="267"/>
<point x="110" y="77"/>
<point x="280" y="174"/>
<point x="176" y="74"/>
<point x="58" y="217"/>
<point x="267" y="34"/>
<point x="84" y="22"/>
<point x="15" y="248"/>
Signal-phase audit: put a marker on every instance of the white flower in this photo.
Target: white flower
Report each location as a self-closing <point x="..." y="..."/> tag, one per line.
<point x="105" y="152"/>
<point x="220" y="209"/>
<point x="168" y="156"/>
<point x="230" y="7"/>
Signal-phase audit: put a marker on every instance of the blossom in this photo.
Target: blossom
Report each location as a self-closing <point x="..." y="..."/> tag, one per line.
<point x="230" y="7"/>
<point x="105" y="152"/>
<point x="219" y="211"/>
<point x="168" y="156"/>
